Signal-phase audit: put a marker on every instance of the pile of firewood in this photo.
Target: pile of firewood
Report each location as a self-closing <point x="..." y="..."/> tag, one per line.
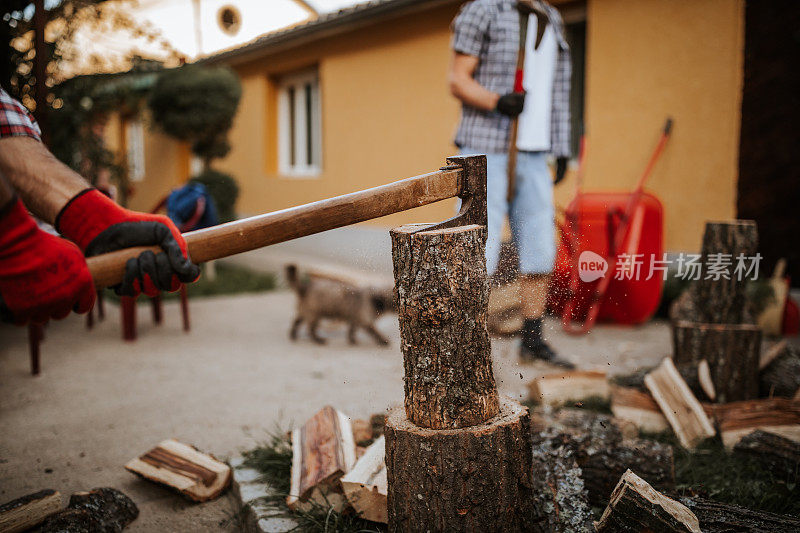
<point x="338" y="463"/>
<point x="594" y="460"/>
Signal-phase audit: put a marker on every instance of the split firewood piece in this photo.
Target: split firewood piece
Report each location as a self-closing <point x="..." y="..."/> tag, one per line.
<point x="556" y="389"/>
<point x="635" y="506"/>
<point x="323" y="450"/>
<point x="362" y="431"/>
<point x="780" y="376"/>
<point x="776" y="453"/>
<point x="639" y="408"/>
<point x="716" y="517"/>
<point x="779" y="416"/>
<point x="28" y="511"/>
<point x="366" y="487"/>
<point x="196" y="475"/>
<point x="679" y="406"/>
<point x="696" y="374"/>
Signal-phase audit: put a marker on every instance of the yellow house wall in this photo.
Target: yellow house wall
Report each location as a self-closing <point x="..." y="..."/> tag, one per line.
<point x="387" y="112"/>
<point x="648" y="59"/>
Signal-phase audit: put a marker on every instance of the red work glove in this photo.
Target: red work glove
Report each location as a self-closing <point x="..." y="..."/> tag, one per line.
<point x="41" y="276"/>
<point x="98" y="225"/>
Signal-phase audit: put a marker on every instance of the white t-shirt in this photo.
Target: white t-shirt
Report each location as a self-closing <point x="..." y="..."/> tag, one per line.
<point x="533" y="132"/>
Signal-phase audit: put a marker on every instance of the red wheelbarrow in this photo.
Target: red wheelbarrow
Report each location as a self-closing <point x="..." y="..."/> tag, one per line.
<point x="609" y="263"/>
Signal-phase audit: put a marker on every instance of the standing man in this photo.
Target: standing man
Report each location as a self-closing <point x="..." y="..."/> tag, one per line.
<point x="485" y="46"/>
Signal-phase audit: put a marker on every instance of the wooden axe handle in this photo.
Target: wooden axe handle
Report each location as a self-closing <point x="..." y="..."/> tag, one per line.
<point x="271" y="228"/>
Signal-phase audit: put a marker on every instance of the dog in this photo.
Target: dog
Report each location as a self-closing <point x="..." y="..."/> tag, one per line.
<point x="321" y="297"/>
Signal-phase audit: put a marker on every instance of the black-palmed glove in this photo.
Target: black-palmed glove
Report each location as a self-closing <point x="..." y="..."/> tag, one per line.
<point x="511" y="104"/>
<point x="98" y="225"/>
<point x="561" y="169"/>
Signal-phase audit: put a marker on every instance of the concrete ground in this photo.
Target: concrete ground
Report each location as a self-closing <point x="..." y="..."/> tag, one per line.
<point x="101" y="401"/>
<point x="223" y="387"/>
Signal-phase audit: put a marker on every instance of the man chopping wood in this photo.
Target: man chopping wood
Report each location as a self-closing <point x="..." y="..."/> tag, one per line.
<point x="43" y="276"/>
<point x="489" y="38"/>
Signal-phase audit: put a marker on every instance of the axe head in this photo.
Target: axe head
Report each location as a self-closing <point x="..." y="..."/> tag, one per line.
<point x="472" y="192"/>
<point x="534" y="7"/>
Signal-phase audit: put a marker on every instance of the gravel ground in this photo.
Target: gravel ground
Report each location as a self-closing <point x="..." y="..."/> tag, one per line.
<point x="101" y="401"/>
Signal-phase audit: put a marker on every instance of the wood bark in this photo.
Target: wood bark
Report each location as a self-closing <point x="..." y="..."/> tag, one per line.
<point x="25" y="512"/>
<point x="774" y="415"/>
<point x="679" y="406"/>
<point x="718" y="517"/>
<point x="196" y="475"/>
<point x="112" y="509"/>
<point x="650" y="460"/>
<point x="781" y="376"/>
<point x="442" y="294"/>
<point x="720" y="300"/>
<point x="776" y="453"/>
<point x="597" y="444"/>
<point x="470" y="479"/>
<point x="732" y="352"/>
<point x="323" y="450"/>
<point x="102" y="510"/>
<point x="635" y="506"/>
<point x="561" y="502"/>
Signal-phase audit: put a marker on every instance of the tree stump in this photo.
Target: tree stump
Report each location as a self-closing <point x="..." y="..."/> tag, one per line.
<point x="731" y="350"/>
<point x="443" y="296"/>
<point x="721" y="300"/>
<point x="469" y="479"/>
<point x="457" y="457"/>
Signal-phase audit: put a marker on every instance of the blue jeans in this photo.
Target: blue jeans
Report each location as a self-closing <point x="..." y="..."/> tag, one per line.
<point x="530" y="212"/>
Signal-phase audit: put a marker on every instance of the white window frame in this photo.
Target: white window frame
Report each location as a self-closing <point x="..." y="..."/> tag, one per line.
<point x="134" y="139"/>
<point x="302" y="168"/>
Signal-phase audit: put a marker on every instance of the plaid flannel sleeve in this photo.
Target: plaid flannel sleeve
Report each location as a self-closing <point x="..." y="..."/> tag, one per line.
<point x="560" y="117"/>
<point x="470" y="28"/>
<point x="15" y="119"/>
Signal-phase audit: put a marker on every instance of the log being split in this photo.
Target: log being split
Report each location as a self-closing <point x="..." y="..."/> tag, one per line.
<point x="457" y="458"/>
<point x="443" y="295"/>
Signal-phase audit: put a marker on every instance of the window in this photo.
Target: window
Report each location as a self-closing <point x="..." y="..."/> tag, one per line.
<point x="229" y="19"/>
<point x="134" y="140"/>
<point x="574" y="15"/>
<point x="299" y="135"/>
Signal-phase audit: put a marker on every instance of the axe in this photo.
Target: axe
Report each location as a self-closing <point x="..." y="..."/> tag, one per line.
<point x="525" y="8"/>
<point x="464" y="177"/>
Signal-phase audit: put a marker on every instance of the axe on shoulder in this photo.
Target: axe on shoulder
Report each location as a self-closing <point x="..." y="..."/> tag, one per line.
<point x="525" y="8"/>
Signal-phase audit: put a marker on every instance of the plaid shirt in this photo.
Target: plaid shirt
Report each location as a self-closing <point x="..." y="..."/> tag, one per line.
<point x="489" y="30"/>
<point x="15" y="119"/>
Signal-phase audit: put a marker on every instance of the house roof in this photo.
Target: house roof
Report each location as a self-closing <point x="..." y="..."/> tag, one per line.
<point x="328" y="24"/>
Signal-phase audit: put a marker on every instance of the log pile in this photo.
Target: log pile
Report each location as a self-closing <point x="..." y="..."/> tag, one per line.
<point x="712" y="320"/>
<point x="97" y="510"/>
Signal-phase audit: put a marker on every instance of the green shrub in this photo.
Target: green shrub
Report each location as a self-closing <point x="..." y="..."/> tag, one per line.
<point x="223" y="189"/>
